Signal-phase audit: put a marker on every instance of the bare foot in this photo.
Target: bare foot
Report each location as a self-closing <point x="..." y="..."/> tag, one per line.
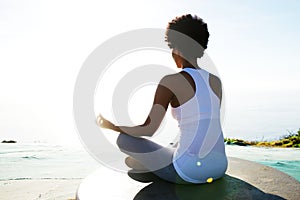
<point x="134" y="164"/>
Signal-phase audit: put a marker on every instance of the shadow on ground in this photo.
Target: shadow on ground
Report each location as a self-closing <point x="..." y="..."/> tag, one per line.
<point x="227" y="187"/>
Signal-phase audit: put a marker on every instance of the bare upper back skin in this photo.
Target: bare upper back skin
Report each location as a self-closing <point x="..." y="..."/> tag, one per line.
<point x="183" y="87"/>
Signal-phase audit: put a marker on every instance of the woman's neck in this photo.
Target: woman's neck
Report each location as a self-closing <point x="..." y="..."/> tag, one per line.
<point x="192" y="63"/>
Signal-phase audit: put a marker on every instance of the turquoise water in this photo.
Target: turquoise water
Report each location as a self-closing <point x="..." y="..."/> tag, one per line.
<point x="290" y="167"/>
<point x="286" y="160"/>
<point x="32" y="161"/>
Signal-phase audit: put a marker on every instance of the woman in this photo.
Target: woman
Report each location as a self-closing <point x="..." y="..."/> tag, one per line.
<point x="195" y="98"/>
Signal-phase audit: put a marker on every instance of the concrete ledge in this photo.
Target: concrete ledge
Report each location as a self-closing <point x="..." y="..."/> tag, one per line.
<point x="244" y="180"/>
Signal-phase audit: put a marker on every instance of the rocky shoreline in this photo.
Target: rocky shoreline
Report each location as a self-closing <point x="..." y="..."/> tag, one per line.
<point x="289" y="141"/>
<point x="9" y="141"/>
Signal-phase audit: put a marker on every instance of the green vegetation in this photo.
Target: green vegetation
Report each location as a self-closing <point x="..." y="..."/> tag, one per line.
<point x="290" y="140"/>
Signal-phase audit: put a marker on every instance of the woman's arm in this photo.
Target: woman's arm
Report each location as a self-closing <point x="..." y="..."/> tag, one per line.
<point x="162" y="98"/>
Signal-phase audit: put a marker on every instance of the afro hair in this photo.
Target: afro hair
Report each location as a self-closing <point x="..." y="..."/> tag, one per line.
<point x="182" y="30"/>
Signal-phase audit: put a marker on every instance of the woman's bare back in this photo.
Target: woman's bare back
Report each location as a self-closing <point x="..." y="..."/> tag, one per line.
<point x="184" y="88"/>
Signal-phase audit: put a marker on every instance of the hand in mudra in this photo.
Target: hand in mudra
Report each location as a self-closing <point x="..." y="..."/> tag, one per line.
<point x="104" y="123"/>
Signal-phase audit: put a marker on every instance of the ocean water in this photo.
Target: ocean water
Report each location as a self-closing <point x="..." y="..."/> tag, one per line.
<point x="286" y="160"/>
<point x="44" y="161"/>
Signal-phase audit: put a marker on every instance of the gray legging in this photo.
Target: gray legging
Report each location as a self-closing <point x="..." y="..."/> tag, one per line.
<point x="138" y="147"/>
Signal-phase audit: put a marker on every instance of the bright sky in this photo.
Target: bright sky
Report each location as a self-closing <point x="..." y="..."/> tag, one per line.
<point x="254" y="44"/>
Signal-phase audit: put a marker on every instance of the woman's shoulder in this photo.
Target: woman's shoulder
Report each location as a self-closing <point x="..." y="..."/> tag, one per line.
<point x="178" y="82"/>
<point x="215" y="79"/>
<point x="173" y="78"/>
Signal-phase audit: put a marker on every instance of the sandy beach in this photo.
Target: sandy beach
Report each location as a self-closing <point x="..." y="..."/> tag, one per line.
<point x="39" y="189"/>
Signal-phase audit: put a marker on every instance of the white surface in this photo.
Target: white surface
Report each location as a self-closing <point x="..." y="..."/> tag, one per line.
<point x="119" y="186"/>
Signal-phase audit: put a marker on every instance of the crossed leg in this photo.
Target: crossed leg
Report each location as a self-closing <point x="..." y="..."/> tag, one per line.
<point x="148" y="156"/>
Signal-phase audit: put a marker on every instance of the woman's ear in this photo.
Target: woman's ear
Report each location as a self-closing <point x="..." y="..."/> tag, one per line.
<point x="177" y="58"/>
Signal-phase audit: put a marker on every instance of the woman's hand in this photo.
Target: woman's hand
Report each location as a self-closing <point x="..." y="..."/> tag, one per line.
<point x="104" y="123"/>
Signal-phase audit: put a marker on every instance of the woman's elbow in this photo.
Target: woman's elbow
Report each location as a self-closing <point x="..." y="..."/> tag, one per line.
<point x="146" y="129"/>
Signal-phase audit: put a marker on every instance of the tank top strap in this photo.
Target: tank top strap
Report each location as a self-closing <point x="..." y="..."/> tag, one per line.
<point x="196" y="72"/>
<point x="199" y="76"/>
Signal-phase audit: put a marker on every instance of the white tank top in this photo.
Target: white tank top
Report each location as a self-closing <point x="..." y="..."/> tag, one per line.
<point x="200" y="154"/>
